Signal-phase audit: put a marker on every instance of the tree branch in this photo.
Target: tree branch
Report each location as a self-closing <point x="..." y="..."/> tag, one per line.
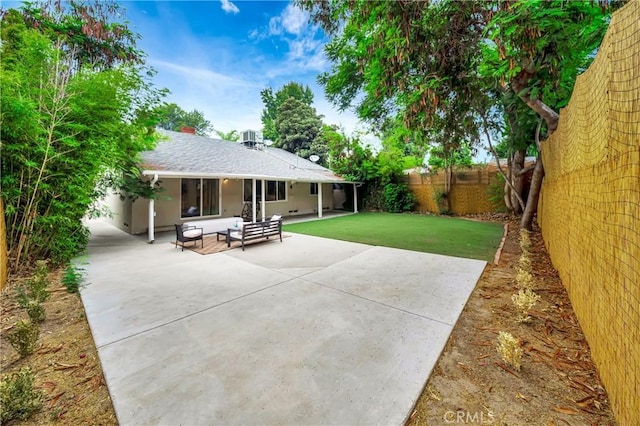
<point x="495" y="155"/>
<point x="526" y="170"/>
<point x="551" y="117"/>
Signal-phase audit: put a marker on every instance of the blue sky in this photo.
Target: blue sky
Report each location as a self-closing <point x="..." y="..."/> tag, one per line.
<point x="216" y="56"/>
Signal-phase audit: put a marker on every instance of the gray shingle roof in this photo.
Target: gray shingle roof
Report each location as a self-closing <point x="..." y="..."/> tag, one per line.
<point x="186" y="154"/>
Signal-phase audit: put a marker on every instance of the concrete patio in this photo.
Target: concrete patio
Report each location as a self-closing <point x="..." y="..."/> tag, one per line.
<point x="307" y="331"/>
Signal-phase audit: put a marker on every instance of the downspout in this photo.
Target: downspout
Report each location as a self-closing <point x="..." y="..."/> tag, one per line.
<point x="152" y="212"/>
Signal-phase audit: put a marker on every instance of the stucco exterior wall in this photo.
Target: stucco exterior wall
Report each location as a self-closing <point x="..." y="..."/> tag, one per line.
<point x="167" y="207"/>
<point x="119" y="211"/>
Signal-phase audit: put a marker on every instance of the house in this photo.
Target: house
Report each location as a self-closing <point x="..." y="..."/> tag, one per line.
<point x="206" y="178"/>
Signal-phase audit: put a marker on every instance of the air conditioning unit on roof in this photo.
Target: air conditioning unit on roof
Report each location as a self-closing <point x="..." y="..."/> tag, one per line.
<point x="248" y="136"/>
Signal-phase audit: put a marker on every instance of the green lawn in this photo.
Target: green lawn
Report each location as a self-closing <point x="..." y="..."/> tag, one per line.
<point x="432" y="234"/>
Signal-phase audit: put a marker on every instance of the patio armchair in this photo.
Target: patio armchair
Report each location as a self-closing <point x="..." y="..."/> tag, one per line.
<point x="186" y="234"/>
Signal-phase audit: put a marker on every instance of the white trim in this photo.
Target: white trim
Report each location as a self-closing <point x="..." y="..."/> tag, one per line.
<point x="179" y="175"/>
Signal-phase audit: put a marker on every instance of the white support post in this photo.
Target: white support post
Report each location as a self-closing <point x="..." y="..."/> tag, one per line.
<point x="319" y="199"/>
<point x="151" y="220"/>
<point x="355" y="198"/>
<point x="262" y="203"/>
<point x="255" y="200"/>
<point x="152" y="212"/>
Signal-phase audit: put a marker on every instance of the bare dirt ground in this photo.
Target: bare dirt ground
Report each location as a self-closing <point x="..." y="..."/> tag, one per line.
<point x="66" y="361"/>
<point x="557" y="384"/>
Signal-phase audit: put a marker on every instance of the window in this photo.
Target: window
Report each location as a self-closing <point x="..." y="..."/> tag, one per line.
<point x="248" y="191"/>
<point x="200" y="197"/>
<point x="275" y="190"/>
<point x="313" y="188"/>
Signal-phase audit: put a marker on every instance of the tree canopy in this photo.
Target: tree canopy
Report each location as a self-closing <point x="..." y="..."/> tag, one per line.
<point x="69" y="113"/>
<point x="299" y="128"/>
<point x="171" y="117"/>
<point x="444" y="66"/>
<point x="272" y="102"/>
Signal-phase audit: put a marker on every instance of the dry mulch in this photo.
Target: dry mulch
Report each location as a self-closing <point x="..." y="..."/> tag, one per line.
<point x="66" y="362"/>
<point x="558" y="383"/>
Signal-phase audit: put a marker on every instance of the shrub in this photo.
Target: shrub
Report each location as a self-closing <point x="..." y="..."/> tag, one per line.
<point x="24" y="337"/>
<point x="524" y="262"/>
<point x="509" y="349"/>
<point x="495" y="194"/>
<point x="398" y="198"/>
<point x="440" y="197"/>
<point x="35" y="311"/>
<point x="525" y="240"/>
<point x="524" y="279"/>
<point x="72" y="278"/>
<point x="18" y="396"/>
<point x="36" y="287"/>
<point x="524" y="301"/>
<point x="33" y="292"/>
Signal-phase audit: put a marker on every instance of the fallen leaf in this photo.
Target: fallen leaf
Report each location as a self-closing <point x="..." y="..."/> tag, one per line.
<point x="565" y="410"/>
<point x="55" y="399"/>
<point x="61" y="366"/>
<point x="50" y="386"/>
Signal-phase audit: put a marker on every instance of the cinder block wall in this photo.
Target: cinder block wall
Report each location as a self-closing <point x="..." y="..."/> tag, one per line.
<point x="590" y="208"/>
<point x="469" y="190"/>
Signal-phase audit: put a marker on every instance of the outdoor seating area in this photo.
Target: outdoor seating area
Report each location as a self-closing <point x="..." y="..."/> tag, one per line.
<point x="257" y="230"/>
<point x="234" y="230"/>
<point x="188" y="233"/>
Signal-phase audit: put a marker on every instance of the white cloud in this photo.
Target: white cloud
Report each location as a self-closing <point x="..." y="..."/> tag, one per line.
<point x="254" y="34"/>
<point x="229" y="7"/>
<point x="211" y="77"/>
<point x="275" y="25"/>
<point x="294" y="20"/>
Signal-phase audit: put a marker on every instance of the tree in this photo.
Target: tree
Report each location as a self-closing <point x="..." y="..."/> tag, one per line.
<point x="88" y="29"/>
<point x="172" y="117"/>
<point x="273" y="101"/>
<point x="299" y="127"/>
<point x="537" y="50"/>
<point x="233" y="135"/>
<point x="428" y="62"/>
<point x="64" y="122"/>
<point x="441" y="159"/>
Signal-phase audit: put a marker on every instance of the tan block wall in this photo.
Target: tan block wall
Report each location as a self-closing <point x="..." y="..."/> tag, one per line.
<point x="469" y="191"/>
<point x="590" y="208"/>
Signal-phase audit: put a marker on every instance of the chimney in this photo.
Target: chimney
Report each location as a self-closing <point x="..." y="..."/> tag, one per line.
<point x="186" y="129"/>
